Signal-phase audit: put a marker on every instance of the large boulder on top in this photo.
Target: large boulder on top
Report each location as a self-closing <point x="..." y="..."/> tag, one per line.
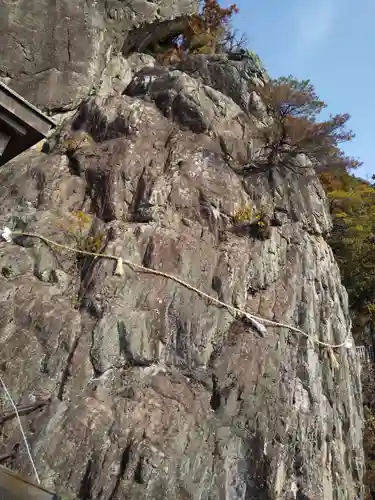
<point x="53" y="54"/>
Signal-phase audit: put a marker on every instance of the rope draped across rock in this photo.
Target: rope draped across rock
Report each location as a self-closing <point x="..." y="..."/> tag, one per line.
<point x="256" y="321"/>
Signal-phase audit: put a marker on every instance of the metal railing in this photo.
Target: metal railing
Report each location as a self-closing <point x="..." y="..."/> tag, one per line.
<point x="365" y="353"/>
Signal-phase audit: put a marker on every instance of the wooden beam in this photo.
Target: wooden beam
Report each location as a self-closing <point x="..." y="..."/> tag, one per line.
<point x="4" y="140"/>
<point x="15" y="487"/>
<point x="21" y="124"/>
<point x="12" y="124"/>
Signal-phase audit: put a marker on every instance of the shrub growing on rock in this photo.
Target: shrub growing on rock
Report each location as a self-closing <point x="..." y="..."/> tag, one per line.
<point x="243" y="214"/>
<point x="75" y="140"/>
<point x="205" y="32"/>
<point x="294" y="107"/>
<point x="231" y="41"/>
<point x="208" y="28"/>
<point x="78" y="230"/>
<point x="256" y="225"/>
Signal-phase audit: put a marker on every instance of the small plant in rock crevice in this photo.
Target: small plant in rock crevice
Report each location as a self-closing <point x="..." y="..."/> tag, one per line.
<point x="258" y="223"/>
<point x="78" y="230"/>
<point x="243" y="214"/>
<point x="76" y="140"/>
<point x="260" y="228"/>
<point x="78" y="234"/>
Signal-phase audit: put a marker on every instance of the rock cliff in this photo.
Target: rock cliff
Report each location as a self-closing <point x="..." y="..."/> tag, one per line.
<point x="53" y="53"/>
<point x="135" y="386"/>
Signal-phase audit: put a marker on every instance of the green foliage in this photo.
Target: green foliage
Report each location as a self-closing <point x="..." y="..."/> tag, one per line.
<point x="256" y="224"/>
<point x="244" y="214"/>
<point x="352" y="206"/>
<point x="261" y="218"/>
<point x="260" y="228"/>
<point x="94" y="243"/>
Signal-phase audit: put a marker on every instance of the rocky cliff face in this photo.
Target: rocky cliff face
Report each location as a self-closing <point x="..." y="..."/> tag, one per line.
<point x="135" y="386"/>
<point x="53" y="53"/>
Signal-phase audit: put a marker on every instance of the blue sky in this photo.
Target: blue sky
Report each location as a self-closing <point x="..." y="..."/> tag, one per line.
<point x="330" y="42"/>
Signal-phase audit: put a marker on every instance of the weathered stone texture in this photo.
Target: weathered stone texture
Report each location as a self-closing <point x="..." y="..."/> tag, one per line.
<point x="53" y="53"/>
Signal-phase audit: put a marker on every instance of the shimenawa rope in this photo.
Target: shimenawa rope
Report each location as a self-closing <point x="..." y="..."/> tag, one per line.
<point x="119" y="271"/>
<point x="256" y="321"/>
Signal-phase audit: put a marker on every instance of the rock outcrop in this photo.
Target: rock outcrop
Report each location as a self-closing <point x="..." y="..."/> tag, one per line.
<point x="53" y="54"/>
<point x="135" y="386"/>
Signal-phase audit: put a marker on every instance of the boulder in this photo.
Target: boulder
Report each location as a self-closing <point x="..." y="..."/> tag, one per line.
<point x="54" y="54"/>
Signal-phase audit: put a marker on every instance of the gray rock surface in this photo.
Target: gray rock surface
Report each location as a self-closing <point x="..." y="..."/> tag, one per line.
<point x="198" y="107"/>
<point x="229" y="74"/>
<point x="53" y="54"/>
<point x="135" y="386"/>
<point x="147" y="35"/>
<point x="257" y="107"/>
<point x="116" y="76"/>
